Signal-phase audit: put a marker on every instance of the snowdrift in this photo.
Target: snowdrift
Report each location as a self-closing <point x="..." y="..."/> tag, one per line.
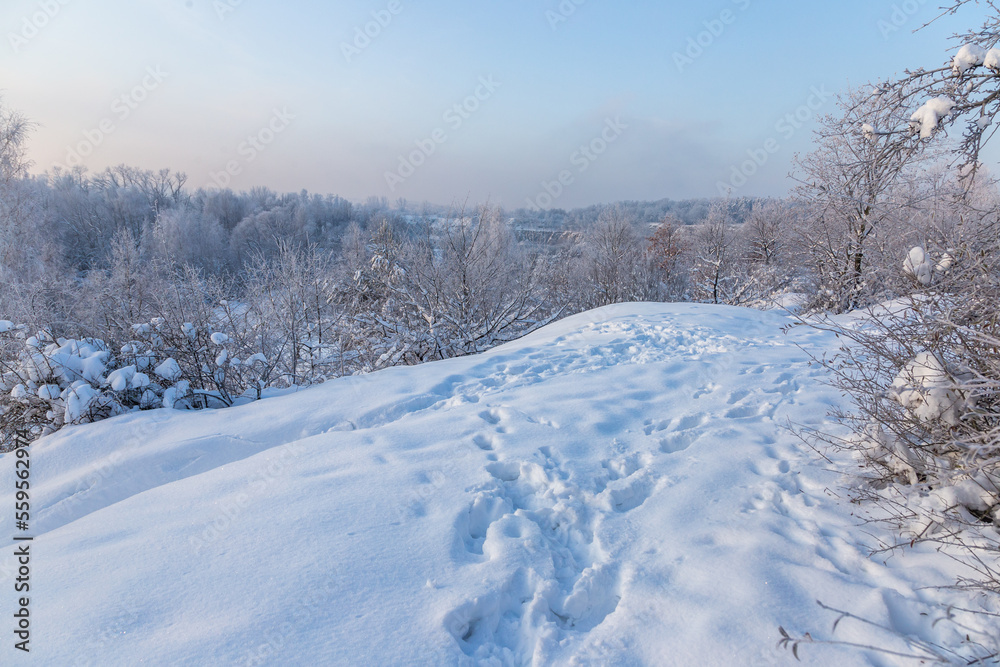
<point x="617" y="488"/>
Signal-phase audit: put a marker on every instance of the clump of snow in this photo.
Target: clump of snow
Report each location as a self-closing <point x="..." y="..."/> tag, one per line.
<point x="220" y="338"/>
<point x="79" y="397"/>
<point x="890" y="451"/>
<point x="969" y="56"/>
<point x="6" y="325"/>
<point x="139" y="381"/>
<point x="49" y="392"/>
<point x="929" y="115"/>
<point x="919" y="266"/>
<point x="992" y="59"/>
<point x="149" y="400"/>
<point x="929" y="392"/>
<point x="946" y="262"/>
<point x="169" y="370"/>
<point x="120" y="379"/>
<point x="175" y="394"/>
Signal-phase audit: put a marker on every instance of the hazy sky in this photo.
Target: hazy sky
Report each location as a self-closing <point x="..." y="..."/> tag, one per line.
<point x="296" y="95"/>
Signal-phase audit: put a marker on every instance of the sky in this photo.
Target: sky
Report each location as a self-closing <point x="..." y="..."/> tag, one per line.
<point x="548" y="103"/>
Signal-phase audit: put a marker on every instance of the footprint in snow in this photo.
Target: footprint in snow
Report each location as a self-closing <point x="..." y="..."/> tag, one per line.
<point x="532" y="511"/>
<point x="678" y="442"/>
<point x="485" y="442"/>
<point x="490" y="417"/>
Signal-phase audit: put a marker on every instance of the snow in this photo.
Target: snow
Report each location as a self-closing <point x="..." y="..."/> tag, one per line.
<point x="947" y="261"/>
<point x="969" y="56"/>
<point x="69" y="361"/>
<point x="173" y="394"/>
<point x="49" y="391"/>
<point x="992" y="59"/>
<point x="919" y="266"/>
<point x="79" y="398"/>
<point x="616" y="488"/>
<point x="169" y="370"/>
<point x="220" y="338"/>
<point x="928" y="391"/>
<point x="121" y="379"/>
<point x="926" y="118"/>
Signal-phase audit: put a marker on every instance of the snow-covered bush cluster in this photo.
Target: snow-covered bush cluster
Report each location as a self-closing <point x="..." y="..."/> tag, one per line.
<point x="924" y="373"/>
<point x="923" y="367"/>
<point x="47" y="383"/>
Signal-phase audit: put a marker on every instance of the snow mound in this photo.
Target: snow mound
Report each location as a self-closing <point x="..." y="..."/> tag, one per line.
<point x="616" y="488"/>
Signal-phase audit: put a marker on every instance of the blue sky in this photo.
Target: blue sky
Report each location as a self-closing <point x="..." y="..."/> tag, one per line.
<point x="248" y="93"/>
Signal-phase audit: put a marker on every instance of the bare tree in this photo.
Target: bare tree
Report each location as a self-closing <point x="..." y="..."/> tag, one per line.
<point x="667" y="250"/>
<point x="766" y="230"/>
<point x="849" y="183"/>
<point x="14" y="129"/>
<point x="616" y="261"/>
<point x="722" y="270"/>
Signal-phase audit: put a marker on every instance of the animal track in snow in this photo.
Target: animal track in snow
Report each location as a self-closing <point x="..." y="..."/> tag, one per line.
<point x="620" y="468"/>
<point x="737" y="396"/>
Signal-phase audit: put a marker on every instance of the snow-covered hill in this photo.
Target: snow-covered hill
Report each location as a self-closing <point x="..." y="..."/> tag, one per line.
<point x="617" y="488"/>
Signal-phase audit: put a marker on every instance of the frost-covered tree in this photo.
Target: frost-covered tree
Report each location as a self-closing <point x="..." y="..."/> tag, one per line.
<point x="964" y="90"/>
<point x="184" y="235"/>
<point x="766" y="230"/>
<point x="851" y="187"/>
<point x="14" y="129"/>
<point x="474" y="285"/>
<point x="294" y="297"/>
<point x="225" y="207"/>
<point x="724" y="269"/>
<point x="616" y="263"/>
<point x="924" y="370"/>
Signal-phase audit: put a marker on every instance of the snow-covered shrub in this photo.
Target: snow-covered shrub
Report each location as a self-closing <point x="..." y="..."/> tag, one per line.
<point x="47" y="383"/>
<point x="924" y="374"/>
<point x="295" y="298"/>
